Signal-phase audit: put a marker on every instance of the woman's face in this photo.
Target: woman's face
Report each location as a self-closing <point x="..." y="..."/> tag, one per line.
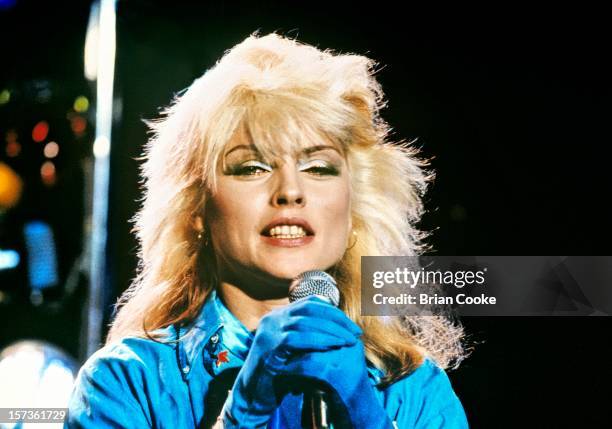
<point x="272" y="219"/>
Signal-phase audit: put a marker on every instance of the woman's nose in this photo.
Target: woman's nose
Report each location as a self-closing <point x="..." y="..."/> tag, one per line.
<point x="288" y="189"/>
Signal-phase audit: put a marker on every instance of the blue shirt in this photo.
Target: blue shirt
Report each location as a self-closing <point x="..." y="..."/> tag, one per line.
<point x="140" y="383"/>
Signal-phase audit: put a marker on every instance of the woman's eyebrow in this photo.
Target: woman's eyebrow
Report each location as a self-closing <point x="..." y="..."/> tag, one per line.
<point x="249" y="147"/>
<point x="318" y="148"/>
<point x="307" y="151"/>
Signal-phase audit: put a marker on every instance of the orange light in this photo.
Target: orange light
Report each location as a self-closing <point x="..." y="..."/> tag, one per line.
<point x="11" y="136"/>
<point x="51" y="150"/>
<point x="13" y="149"/>
<point x="40" y="131"/>
<point x="10" y="187"/>
<point x="78" y="124"/>
<point x="47" y="173"/>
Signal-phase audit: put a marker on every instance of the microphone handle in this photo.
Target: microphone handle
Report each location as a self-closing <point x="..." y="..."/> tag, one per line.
<point x="315" y="412"/>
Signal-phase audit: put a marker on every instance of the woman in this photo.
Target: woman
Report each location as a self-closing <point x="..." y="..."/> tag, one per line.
<point x="271" y="164"/>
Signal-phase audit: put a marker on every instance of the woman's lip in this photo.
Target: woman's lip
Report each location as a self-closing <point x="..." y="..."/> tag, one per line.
<point x="288" y="242"/>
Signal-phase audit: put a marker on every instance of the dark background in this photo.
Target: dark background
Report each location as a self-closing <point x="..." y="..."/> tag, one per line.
<point x="509" y="103"/>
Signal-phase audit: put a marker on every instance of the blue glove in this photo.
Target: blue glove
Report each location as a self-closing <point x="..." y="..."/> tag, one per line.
<point x="343" y="374"/>
<point x="300" y="329"/>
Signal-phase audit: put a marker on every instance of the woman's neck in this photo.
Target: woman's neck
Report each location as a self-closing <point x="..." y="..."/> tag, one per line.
<point x="245" y="308"/>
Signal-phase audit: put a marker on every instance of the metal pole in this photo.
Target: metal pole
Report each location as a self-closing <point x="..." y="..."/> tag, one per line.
<point x="102" y="145"/>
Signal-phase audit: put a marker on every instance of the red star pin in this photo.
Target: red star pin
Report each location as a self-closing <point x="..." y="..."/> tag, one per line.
<point x="222" y="358"/>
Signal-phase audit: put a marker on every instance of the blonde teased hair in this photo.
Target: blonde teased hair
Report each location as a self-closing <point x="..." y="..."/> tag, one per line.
<point x="280" y="91"/>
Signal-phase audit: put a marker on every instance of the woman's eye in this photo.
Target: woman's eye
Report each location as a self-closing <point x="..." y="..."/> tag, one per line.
<point x="249" y="169"/>
<point x="321" y="170"/>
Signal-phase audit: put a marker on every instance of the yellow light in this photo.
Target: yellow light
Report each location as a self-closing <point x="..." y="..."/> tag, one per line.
<point x="10" y="187"/>
<point x="81" y="104"/>
<point x="51" y="150"/>
<point x="5" y="96"/>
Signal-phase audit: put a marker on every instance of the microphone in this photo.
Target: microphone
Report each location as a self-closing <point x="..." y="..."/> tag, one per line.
<point x="315" y="411"/>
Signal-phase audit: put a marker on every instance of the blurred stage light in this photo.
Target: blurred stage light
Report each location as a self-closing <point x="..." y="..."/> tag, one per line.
<point x="9" y="259"/>
<point x="47" y="173"/>
<point x="101" y="147"/>
<point x="40" y="131"/>
<point x="42" y="257"/>
<point x="91" y="43"/>
<point x="11" y="186"/>
<point x="13" y="149"/>
<point x="51" y="150"/>
<point x="5" y="96"/>
<point x="11" y="136"/>
<point x="78" y="124"/>
<point x="81" y="104"/>
<point x="7" y="4"/>
<point x="35" y="374"/>
<point x="42" y="90"/>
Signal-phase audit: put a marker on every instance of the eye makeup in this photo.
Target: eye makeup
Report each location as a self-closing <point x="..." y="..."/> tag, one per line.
<point x="316" y="160"/>
<point x="319" y="167"/>
<point x="248" y="168"/>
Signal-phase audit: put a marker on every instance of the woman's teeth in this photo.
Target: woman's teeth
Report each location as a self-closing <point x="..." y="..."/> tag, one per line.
<point x="287" y="231"/>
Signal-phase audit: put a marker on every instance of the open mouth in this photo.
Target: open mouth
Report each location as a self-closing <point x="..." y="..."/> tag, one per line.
<point x="288" y="228"/>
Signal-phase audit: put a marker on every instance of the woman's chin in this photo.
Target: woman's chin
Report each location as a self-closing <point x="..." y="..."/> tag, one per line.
<point x="287" y="272"/>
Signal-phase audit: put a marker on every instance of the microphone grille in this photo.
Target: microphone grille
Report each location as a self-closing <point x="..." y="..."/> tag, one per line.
<point x="315" y="283"/>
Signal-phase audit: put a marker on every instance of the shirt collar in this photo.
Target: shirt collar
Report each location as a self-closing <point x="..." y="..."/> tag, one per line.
<point x="216" y="334"/>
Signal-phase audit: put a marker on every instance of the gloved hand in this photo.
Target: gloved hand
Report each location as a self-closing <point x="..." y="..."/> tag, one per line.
<point x="344" y="376"/>
<point x="305" y="327"/>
